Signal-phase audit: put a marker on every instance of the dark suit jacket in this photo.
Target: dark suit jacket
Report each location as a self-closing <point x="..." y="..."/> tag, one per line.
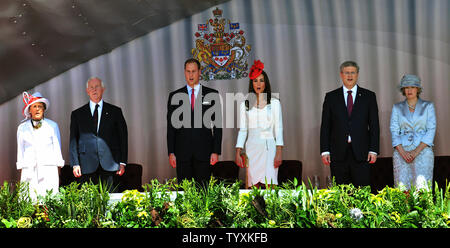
<point x="108" y="149"/>
<point x="362" y="126"/>
<point x="194" y="139"/>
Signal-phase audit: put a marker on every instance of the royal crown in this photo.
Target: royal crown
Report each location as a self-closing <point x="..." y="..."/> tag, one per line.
<point x="217" y="12"/>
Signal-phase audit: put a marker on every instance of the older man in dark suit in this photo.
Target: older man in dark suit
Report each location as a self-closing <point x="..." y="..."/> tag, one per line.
<point x="98" y="139"/>
<point x="194" y="127"/>
<point x="350" y="132"/>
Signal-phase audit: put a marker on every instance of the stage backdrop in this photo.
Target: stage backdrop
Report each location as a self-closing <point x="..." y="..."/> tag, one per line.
<point x="301" y="43"/>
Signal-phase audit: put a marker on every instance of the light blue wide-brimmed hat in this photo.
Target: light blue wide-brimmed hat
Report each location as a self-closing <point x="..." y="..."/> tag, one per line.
<point x="409" y="80"/>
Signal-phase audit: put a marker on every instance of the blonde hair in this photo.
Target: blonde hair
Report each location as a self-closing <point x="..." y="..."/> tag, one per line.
<point x="419" y="90"/>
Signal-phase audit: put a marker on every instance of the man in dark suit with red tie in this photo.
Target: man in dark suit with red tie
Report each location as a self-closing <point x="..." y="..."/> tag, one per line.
<point x="194" y="126"/>
<point x="350" y="132"/>
<point x="98" y="139"/>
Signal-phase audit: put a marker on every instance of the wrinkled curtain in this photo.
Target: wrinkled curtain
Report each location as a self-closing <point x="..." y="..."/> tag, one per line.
<point x="301" y="43"/>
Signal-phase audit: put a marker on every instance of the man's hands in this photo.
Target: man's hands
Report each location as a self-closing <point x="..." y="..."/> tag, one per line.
<point x="77" y="170"/>
<point x="371" y="158"/>
<point x="326" y="160"/>
<point x="214" y="158"/>
<point x="121" y="170"/>
<point x="173" y="160"/>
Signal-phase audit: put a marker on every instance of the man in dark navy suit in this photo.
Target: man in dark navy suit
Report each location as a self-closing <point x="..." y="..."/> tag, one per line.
<point x="350" y="132"/>
<point x="194" y="127"/>
<point x="98" y="139"/>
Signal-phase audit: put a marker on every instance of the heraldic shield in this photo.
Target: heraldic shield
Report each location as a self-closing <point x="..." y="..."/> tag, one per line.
<point x="221" y="48"/>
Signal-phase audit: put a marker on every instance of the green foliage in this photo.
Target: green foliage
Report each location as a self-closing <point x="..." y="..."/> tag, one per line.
<point x="15" y="202"/>
<point x="149" y="209"/>
<point x="75" y="206"/>
<point x="215" y="204"/>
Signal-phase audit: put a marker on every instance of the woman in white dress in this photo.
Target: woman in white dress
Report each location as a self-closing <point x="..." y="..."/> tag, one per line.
<point x="413" y="126"/>
<point x="261" y="130"/>
<point x="38" y="147"/>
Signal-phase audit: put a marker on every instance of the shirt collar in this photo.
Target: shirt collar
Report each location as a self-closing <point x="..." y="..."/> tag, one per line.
<point x="354" y="89"/>
<point x="196" y="88"/>
<point x="92" y="105"/>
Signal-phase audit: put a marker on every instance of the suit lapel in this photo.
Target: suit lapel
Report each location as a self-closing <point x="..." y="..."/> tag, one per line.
<point x="87" y="111"/>
<point x="185" y="90"/>
<point x="357" y="102"/>
<point x="417" y="110"/>
<point x="405" y="110"/>
<point x="88" y="118"/>
<point x="104" y="116"/>
<point x="201" y="95"/>
<point x="341" y="103"/>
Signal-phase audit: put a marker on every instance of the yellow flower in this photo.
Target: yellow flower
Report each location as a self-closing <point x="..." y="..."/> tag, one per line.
<point x="338" y="215"/>
<point x="244" y="195"/>
<point x="242" y="198"/>
<point x="133" y="195"/>
<point x="142" y="214"/>
<point x="24" y="222"/>
<point x="272" y="222"/>
<point x="395" y="216"/>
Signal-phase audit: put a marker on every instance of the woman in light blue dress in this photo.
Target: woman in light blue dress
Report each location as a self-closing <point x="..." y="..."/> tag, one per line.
<point x="413" y="126"/>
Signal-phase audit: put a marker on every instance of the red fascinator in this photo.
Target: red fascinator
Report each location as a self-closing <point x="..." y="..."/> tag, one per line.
<point x="256" y="69"/>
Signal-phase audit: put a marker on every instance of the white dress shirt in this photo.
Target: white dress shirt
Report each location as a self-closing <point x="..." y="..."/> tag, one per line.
<point x="196" y="90"/>
<point x="354" y="89"/>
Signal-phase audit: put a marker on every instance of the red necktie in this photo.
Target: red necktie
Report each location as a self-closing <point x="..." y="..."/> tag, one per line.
<point x="349" y="102"/>
<point x="192" y="99"/>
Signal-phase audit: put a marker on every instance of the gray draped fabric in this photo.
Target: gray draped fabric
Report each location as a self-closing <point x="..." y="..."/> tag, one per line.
<point x="301" y="43"/>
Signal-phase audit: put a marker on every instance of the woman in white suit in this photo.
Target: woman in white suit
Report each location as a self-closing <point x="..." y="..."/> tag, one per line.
<point x="413" y="126"/>
<point x="261" y="131"/>
<point x="38" y="147"/>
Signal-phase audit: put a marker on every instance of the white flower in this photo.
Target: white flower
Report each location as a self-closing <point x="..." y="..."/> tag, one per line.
<point x="356" y="214"/>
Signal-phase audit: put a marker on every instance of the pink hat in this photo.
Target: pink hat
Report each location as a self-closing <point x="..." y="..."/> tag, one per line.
<point x="30" y="100"/>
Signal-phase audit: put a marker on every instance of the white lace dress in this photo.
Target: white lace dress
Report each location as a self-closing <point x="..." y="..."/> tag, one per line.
<point x="409" y="129"/>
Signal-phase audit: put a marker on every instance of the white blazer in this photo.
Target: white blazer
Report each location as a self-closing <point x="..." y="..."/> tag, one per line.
<point x="266" y="124"/>
<point x="412" y="128"/>
<point x="40" y="147"/>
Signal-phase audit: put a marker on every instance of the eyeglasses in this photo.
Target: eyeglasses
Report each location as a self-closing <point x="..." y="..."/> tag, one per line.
<point x="94" y="88"/>
<point x="350" y="73"/>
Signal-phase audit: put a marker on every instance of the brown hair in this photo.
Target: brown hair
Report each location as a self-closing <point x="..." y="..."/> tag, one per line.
<point x="349" y="64"/>
<point x="267" y="91"/>
<point x="192" y="61"/>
